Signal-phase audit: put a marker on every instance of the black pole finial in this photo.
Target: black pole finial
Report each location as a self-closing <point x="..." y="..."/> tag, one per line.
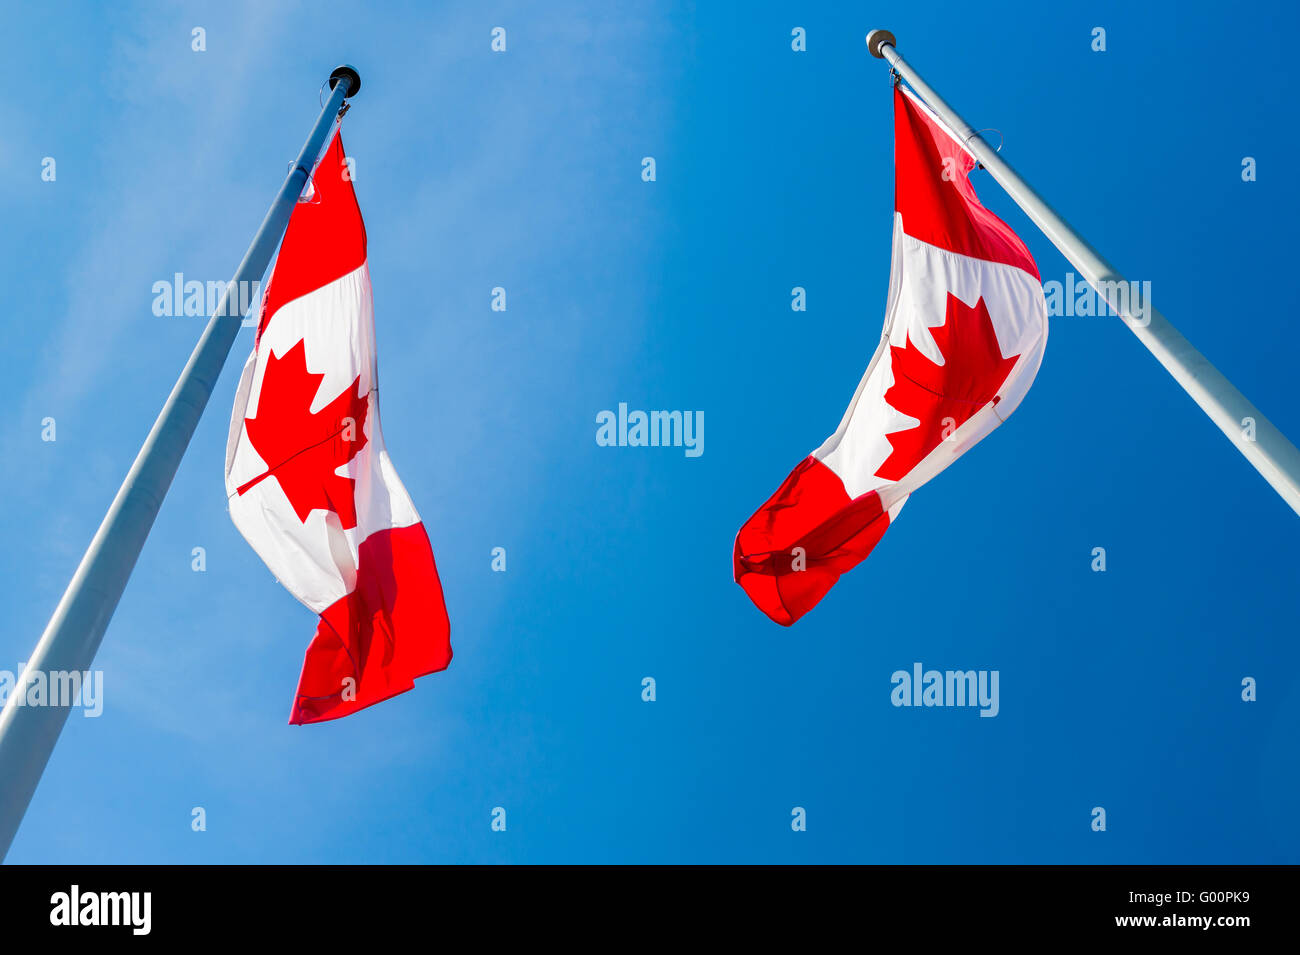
<point x="352" y="75"/>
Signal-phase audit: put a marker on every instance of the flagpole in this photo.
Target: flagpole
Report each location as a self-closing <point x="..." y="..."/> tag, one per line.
<point x="1263" y="445"/>
<point x="28" y="732"/>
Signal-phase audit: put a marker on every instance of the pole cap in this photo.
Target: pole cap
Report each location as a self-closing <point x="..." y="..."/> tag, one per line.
<point x="875" y="38"/>
<point x="346" y="71"/>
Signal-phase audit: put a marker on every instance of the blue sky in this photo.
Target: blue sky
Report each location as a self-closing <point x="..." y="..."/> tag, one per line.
<point x="774" y="169"/>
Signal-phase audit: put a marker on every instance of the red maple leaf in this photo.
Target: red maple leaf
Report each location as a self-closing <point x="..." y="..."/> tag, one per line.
<point x="972" y="372"/>
<point x="302" y="449"/>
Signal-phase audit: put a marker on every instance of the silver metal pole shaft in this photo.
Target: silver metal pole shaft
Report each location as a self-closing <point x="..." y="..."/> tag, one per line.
<point x="1263" y="445"/>
<point x="28" y="732"/>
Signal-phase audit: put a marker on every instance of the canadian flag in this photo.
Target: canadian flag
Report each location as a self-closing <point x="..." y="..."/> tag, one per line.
<point x="309" y="481"/>
<point x="965" y="329"/>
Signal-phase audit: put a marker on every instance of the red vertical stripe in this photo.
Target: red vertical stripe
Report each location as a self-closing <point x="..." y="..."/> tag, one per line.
<point x="796" y="546"/>
<point x="933" y="194"/>
<point x="326" y="238"/>
<point x="357" y="657"/>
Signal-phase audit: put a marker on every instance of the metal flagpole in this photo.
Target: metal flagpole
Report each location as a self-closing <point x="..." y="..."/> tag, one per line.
<point x="1266" y="448"/>
<point x="28" y="732"/>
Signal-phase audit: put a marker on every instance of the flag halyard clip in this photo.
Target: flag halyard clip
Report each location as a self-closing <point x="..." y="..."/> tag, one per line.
<point x="987" y="129"/>
<point x="320" y="98"/>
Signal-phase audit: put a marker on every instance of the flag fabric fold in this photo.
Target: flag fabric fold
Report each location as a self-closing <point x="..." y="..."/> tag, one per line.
<point x="309" y="480"/>
<point x="964" y="333"/>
